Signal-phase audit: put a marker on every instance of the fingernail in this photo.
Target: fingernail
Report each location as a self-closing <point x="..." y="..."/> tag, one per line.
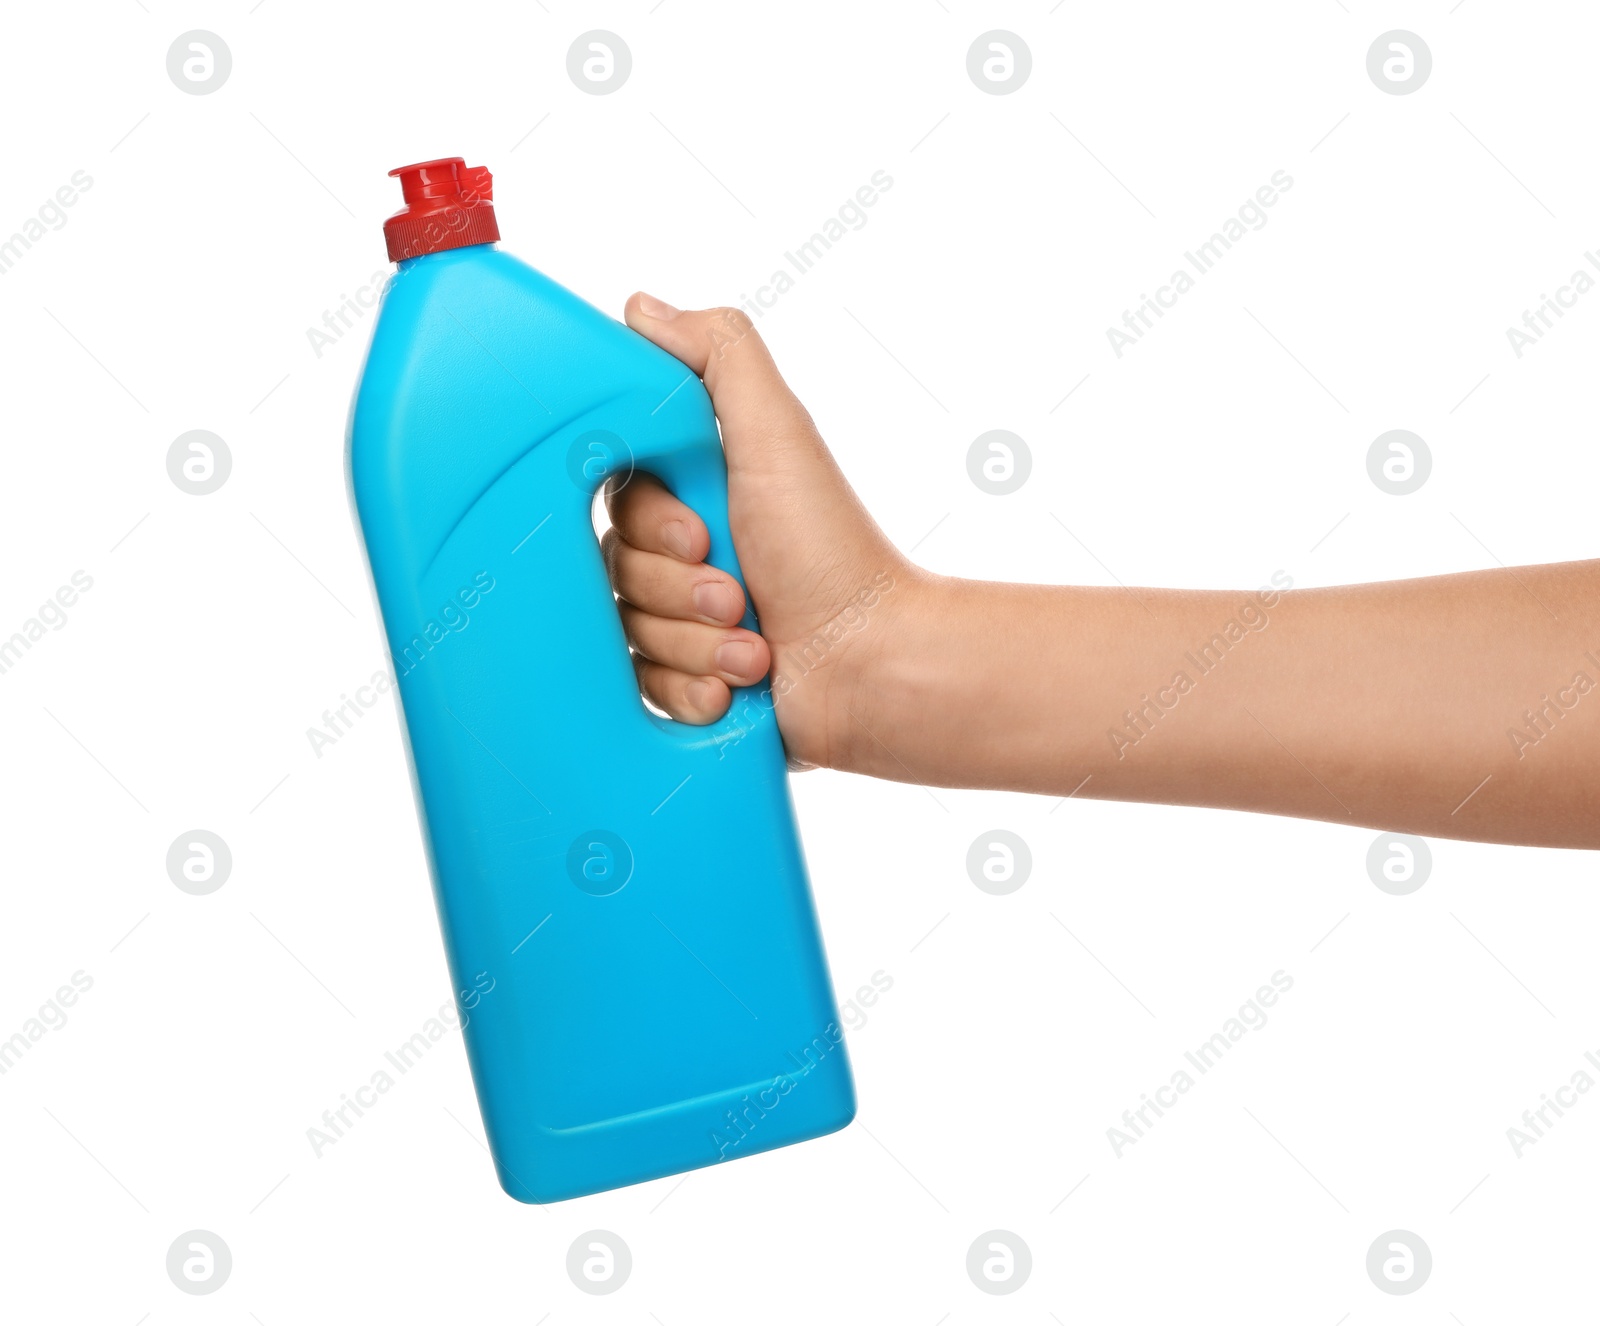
<point x="736" y="658"/>
<point x="652" y="307"/>
<point x="675" y="534"/>
<point x="699" y="694"/>
<point x="712" y="599"/>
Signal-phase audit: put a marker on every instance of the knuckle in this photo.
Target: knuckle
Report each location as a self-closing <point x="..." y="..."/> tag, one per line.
<point x="638" y="628"/>
<point x="661" y="582"/>
<point x="734" y="319"/>
<point x="625" y="570"/>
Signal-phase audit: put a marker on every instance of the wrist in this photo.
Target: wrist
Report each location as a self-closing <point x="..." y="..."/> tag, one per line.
<point x="879" y="703"/>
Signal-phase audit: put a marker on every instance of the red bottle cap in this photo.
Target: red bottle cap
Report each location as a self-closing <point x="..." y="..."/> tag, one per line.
<point x="449" y="205"/>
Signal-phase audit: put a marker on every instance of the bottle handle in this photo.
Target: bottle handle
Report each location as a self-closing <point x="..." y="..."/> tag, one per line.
<point x="696" y="473"/>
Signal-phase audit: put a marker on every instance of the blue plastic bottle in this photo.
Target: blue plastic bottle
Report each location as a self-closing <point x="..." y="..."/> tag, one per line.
<point x="623" y="898"/>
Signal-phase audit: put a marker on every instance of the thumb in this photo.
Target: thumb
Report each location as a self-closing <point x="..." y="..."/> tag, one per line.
<point x="759" y="414"/>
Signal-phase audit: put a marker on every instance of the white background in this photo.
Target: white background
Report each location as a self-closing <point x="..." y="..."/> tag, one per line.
<point x="1226" y="445"/>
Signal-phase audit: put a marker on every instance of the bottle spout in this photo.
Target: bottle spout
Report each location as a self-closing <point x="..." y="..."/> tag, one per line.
<point x="448" y="205"/>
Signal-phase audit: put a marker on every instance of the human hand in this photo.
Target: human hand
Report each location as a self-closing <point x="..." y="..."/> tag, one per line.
<point x="1367" y="704"/>
<point x="816" y="565"/>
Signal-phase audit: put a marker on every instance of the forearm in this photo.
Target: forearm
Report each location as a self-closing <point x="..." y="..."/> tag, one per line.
<point x="1457" y="706"/>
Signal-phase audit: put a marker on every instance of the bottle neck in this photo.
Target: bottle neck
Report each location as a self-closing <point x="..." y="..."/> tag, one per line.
<point x="440" y="255"/>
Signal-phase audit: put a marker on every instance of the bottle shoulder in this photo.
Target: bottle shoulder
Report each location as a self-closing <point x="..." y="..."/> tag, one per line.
<point x="482" y="302"/>
<point x="477" y="362"/>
